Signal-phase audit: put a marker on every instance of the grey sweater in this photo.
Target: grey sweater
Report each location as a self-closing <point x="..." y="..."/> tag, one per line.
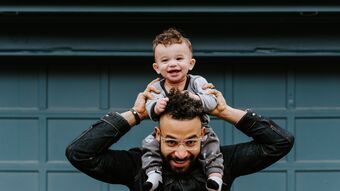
<point x="194" y="84"/>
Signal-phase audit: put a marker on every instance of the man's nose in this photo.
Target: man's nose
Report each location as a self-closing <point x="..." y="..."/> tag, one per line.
<point x="181" y="152"/>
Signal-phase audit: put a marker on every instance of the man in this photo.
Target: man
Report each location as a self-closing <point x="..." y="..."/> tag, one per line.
<point x="179" y="133"/>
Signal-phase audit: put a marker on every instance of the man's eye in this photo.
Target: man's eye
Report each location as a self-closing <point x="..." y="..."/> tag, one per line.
<point x="171" y="143"/>
<point x="190" y="143"/>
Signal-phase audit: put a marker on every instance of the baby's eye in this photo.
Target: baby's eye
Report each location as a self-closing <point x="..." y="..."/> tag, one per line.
<point x="179" y="58"/>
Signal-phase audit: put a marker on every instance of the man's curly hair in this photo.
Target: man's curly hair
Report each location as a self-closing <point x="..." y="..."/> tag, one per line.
<point x="182" y="106"/>
<point x="169" y="37"/>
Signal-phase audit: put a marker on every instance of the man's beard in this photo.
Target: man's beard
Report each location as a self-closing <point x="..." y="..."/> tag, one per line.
<point x="191" y="160"/>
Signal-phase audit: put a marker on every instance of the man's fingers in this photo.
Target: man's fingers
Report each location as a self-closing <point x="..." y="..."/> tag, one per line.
<point x="208" y="86"/>
<point x="150" y="88"/>
<point x="214" y="92"/>
<point x="147" y="95"/>
<point x="153" y="89"/>
<point x="153" y="81"/>
<point x="141" y="96"/>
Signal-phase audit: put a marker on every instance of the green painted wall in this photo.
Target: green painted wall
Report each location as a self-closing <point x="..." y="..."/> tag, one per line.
<point x="62" y="66"/>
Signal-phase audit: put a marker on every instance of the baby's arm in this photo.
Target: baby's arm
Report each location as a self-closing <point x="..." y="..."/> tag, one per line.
<point x="157" y="103"/>
<point x="161" y="105"/>
<point x="208" y="100"/>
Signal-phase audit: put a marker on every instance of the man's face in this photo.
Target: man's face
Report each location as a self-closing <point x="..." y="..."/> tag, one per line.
<point x="179" y="141"/>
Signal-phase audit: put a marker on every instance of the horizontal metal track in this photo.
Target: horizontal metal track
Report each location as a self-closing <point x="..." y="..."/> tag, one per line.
<point x="309" y="9"/>
<point x="234" y="53"/>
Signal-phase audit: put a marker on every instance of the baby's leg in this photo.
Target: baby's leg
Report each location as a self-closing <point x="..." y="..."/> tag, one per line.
<point x="212" y="160"/>
<point x="152" y="163"/>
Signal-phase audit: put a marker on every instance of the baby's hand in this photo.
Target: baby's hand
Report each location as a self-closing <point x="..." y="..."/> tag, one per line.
<point x="160" y="105"/>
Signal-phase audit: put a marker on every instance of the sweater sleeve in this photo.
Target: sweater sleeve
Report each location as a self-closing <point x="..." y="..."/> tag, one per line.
<point x="151" y="103"/>
<point x="209" y="101"/>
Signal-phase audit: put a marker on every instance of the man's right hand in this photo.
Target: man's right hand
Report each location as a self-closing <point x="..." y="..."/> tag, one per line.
<point x="142" y="97"/>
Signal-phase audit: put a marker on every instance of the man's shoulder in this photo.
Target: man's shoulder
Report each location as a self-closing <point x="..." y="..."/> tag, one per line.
<point x="137" y="150"/>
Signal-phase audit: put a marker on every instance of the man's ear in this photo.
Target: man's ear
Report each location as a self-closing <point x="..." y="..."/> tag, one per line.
<point x="192" y="63"/>
<point x="158" y="133"/>
<point x="202" y="132"/>
<point x="155" y="67"/>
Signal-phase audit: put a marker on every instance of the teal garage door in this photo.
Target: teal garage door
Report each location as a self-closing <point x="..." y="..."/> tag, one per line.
<point x="44" y="106"/>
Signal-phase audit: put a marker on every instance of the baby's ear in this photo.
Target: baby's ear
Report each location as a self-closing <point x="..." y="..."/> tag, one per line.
<point x="155" y="67"/>
<point x="192" y="63"/>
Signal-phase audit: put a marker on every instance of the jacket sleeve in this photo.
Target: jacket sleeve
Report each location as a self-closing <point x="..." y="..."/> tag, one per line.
<point x="90" y="152"/>
<point x="270" y="143"/>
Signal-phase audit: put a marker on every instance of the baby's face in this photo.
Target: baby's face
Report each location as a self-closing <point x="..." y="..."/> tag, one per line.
<point x="173" y="62"/>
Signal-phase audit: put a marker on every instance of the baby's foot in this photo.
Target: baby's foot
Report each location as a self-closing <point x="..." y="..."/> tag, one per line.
<point x="214" y="183"/>
<point x="153" y="181"/>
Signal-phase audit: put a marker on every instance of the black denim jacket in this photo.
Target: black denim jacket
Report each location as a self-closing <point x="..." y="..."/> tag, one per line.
<point x="90" y="154"/>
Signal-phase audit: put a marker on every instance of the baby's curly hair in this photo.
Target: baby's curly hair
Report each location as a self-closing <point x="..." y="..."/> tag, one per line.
<point x="182" y="106"/>
<point x="169" y="37"/>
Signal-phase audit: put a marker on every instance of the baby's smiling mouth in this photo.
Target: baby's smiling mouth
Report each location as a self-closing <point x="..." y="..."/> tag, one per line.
<point x="173" y="71"/>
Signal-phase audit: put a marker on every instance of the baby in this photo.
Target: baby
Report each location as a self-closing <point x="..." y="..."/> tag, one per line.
<point x="173" y="60"/>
